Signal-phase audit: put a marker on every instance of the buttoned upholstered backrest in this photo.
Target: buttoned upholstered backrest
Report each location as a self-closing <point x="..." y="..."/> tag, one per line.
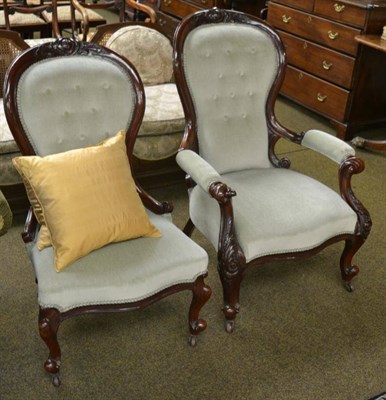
<point x="72" y="100"/>
<point x="229" y="70"/>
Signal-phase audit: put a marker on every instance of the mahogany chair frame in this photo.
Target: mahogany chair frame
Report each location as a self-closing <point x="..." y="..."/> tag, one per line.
<point x="51" y="318"/>
<point x="232" y="264"/>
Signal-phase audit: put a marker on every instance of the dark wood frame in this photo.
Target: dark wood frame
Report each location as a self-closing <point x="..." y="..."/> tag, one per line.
<point x="51" y="318"/>
<point x="232" y="264"/>
<point x="22" y="7"/>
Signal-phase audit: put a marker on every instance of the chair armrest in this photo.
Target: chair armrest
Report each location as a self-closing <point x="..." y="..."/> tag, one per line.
<point x="198" y="169"/>
<point x="328" y="145"/>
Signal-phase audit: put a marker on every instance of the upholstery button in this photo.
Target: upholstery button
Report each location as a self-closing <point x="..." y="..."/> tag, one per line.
<point x="77" y="87"/>
<point x="93" y="110"/>
<point x="82" y="136"/>
<point x="226" y="118"/>
<point x="60" y="140"/>
<point x="106" y="86"/>
<point x="207" y="53"/>
<point x="66" y="113"/>
<point x="244" y="115"/>
<point x="232" y="95"/>
<point x="220" y="75"/>
<point x="215" y="97"/>
<point x="253" y="50"/>
<point x="47" y="91"/>
<point x="242" y="73"/>
<point x="250" y="93"/>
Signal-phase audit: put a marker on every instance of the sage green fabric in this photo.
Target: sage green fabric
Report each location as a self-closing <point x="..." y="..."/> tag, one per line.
<point x="199" y="170"/>
<point x="276" y="211"/>
<point x="120" y="272"/>
<point x="230" y="69"/>
<point x="98" y="98"/>
<point x="328" y="145"/>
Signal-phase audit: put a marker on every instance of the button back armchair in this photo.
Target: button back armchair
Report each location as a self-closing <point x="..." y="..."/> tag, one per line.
<point x="62" y="98"/>
<point x="229" y="68"/>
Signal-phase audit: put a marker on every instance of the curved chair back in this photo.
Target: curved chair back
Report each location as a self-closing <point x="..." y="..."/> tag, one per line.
<point x="100" y="93"/>
<point x="228" y="75"/>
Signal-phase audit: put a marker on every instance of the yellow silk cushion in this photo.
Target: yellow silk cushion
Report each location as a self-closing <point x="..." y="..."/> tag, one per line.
<point x="86" y="197"/>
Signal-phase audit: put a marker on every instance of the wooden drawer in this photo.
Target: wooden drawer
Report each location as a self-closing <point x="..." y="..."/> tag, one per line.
<point x="204" y="3"/>
<point x="317" y="29"/>
<point x="168" y="24"/>
<point x="306" y="5"/>
<point x="316" y="94"/>
<point x="325" y="63"/>
<point x="178" y="8"/>
<point x="342" y="12"/>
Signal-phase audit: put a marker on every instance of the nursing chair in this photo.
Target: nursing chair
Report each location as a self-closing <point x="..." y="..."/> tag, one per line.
<point x="65" y="101"/>
<point x="245" y="200"/>
<point x="161" y="131"/>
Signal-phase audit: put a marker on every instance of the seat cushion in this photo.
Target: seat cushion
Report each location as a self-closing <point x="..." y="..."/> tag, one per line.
<point x="21" y="19"/>
<point x="163" y="124"/>
<point x="64" y="15"/>
<point x="276" y="211"/>
<point x="7" y="144"/>
<point x="121" y="272"/>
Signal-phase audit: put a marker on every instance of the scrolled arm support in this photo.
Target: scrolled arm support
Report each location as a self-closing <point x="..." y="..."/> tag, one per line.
<point x="349" y="167"/>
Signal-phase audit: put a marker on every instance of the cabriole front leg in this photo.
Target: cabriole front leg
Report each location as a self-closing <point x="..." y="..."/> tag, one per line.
<point x="49" y="321"/>
<point x="348" y="271"/>
<point x="231" y="259"/>
<point x="201" y="294"/>
<point x="350" y="166"/>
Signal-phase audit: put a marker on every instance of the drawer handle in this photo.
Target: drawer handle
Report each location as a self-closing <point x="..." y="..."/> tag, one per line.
<point x="167" y="3"/>
<point x="332" y="35"/>
<point x="327" y="66"/>
<point x="286" y="19"/>
<point x="321" y="98"/>
<point x="339" y="7"/>
<point x="161" y="22"/>
<point x="204" y="1"/>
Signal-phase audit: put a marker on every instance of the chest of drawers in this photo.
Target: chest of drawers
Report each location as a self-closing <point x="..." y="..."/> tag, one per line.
<point x="328" y="72"/>
<point x="171" y="12"/>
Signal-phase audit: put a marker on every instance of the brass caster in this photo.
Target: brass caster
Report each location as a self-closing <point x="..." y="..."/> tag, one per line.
<point x="230" y="326"/>
<point x="192" y="340"/>
<point x="349" y="286"/>
<point x="56" y="381"/>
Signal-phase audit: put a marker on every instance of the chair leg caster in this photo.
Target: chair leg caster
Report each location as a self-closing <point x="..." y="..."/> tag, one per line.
<point x="192" y="340"/>
<point x="56" y="381"/>
<point x="349" y="286"/>
<point x="230" y="326"/>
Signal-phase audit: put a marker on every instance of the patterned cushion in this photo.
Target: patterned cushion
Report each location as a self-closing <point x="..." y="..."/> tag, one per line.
<point x="163" y="125"/>
<point x="147" y="49"/>
<point x="5" y="215"/>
